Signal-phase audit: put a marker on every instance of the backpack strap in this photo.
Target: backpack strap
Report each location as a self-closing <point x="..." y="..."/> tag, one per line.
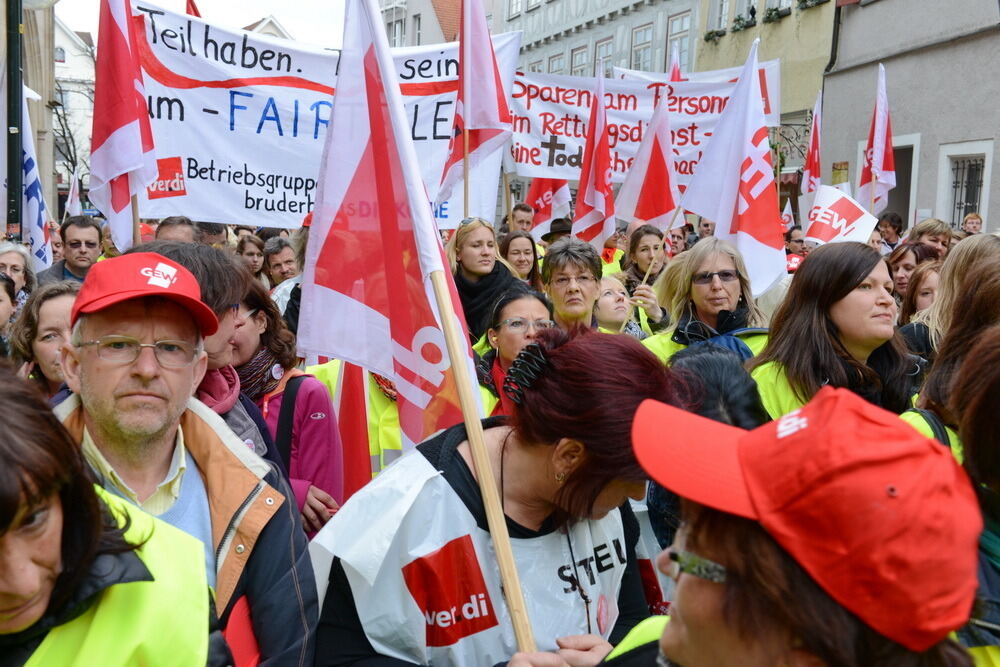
<point x="283" y="434"/>
<point x="937" y="426"/>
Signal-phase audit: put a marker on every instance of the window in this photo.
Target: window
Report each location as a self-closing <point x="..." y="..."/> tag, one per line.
<point x="536" y="66"/>
<point x="395" y="31"/>
<point x="778" y="4"/>
<point x="603" y="51"/>
<point x="514" y="8"/>
<point x="60" y="56"/>
<point x="743" y="8"/>
<point x="578" y="61"/>
<point x="966" y="186"/>
<point x="642" y="48"/>
<point x="557" y="64"/>
<point x="679" y="34"/>
<point x="718" y="15"/>
<point x="534" y="3"/>
<point x="416" y="29"/>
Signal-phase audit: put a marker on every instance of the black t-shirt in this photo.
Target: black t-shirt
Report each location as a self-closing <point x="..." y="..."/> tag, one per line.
<point x="340" y="638"/>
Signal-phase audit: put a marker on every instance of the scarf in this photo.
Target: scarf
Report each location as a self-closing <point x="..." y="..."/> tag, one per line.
<point x="220" y="389"/>
<point x="633" y="277"/>
<point x="260" y="375"/>
<point x="691" y="330"/>
<point x="505" y="406"/>
<point x="478" y="297"/>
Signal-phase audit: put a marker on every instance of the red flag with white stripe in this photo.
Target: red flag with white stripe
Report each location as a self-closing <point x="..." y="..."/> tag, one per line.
<point x="122" y="160"/>
<point x="549" y="197"/>
<point x="594" y="216"/>
<point x="878" y="169"/>
<point x="367" y="296"/>
<point x="192" y="9"/>
<point x="811" y="172"/>
<point x="482" y="103"/>
<point x="650" y="192"/>
<point x="734" y="184"/>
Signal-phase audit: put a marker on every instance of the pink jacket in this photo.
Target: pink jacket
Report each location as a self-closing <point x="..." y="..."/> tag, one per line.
<point x="316" y="454"/>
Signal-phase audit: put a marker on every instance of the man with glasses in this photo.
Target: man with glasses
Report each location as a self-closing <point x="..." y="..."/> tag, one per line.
<point x="82" y="237"/>
<point x="136" y="356"/>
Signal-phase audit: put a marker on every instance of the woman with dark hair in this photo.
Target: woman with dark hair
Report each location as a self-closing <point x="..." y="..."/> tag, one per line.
<point x="903" y="261"/>
<point x="8" y="303"/>
<point x="975" y="311"/>
<point x="708" y="296"/>
<point x="296" y="407"/>
<point x="251" y="249"/>
<point x="720" y="389"/>
<point x="40" y="332"/>
<point x="836" y="327"/>
<point x="890" y="226"/>
<point x="520" y="251"/>
<point x="921" y="291"/>
<point x="646" y="259"/>
<point x="85" y="578"/>
<point x="800" y="547"/>
<point x="517" y="318"/>
<point x="417" y="584"/>
<point x="480" y="278"/>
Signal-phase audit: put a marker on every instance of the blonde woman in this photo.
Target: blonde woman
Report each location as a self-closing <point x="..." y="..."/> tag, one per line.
<point x="481" y="277"/>
<point x="706" y="291"/>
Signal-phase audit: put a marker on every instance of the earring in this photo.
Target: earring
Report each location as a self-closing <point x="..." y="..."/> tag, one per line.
<point x="560" y="477"/>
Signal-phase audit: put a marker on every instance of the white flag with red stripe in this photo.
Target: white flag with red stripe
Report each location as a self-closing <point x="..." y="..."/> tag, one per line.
<point x="675" y="64"/>
<point x="650" y="192"/>
<point x="734" y="184"/>
<point x="787" y="216"/>
<point x="73" y="204"/>
<point x="482" y="102"/>
<point x="878" y="169"/>
<point x="812" y="171"/>
<point x="366" y="292"/>
<point x="122" y="160"/>
<point x="549" y="197"/>
<point x="594" y="216"/>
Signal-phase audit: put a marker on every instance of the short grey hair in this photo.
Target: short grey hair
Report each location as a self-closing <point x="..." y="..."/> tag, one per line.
<point x="29" y="271"/>
<point x="572" y="251"/>
<point x="273" y="246"/>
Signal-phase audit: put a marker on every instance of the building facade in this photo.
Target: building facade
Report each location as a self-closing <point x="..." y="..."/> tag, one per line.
<point x="941" y="83"/>
<point x="73" y="105"/>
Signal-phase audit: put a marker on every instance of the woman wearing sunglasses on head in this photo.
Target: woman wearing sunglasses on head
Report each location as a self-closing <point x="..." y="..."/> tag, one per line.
<point x="709" y="300"/>
<point x="837" y="327"/>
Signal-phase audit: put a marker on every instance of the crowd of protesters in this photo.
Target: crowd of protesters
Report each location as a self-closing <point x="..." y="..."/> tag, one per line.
<point x="808" y="477"/>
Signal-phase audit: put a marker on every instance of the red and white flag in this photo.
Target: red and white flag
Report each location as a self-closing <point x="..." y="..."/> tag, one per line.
<point x="811" y="172"/>
<point x="73" y="204"/>
<point x="650" y="192"/>
<point x="192" y="9"/>
<point x="787" y="217"/>
<point x="836" y="217"/>
<point x="594" y="215"/>
<point x="878" y="169"/>
<point x="367" y="296"/>
<point x="734" y="184"/>
<point x="675" y="64"/>
<point x="122" y="160"/>
<point x="482" y="103"/>
<point x="550" y="198"/>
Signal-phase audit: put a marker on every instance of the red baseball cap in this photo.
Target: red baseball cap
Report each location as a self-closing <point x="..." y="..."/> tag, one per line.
<point x="882" y="518"/>
<point x="139" y="275"/>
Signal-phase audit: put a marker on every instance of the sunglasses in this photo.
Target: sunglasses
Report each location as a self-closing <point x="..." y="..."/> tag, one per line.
<point x="705" y="278"/>
<point x="77" y="244"/>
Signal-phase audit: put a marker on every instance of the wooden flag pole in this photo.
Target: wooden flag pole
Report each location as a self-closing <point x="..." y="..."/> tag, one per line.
<point x="481" y="462"/>
<point x="506" y="196"/>
<point x="136" y="235"/>
<point x="649" y="269"/>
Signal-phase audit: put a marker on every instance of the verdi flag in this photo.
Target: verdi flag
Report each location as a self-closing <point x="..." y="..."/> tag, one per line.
<point x="594" y="216"/>
<point x="878" y="169"/>
<point x="650" y="191"/>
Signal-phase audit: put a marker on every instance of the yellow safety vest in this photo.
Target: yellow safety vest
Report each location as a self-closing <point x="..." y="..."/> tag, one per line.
<point x="614" y="266"/>
<point x="664" y="346"/>
<point x="775" y="390"/>
<point x="159" y="622"/>
<point x="916" y="420"/>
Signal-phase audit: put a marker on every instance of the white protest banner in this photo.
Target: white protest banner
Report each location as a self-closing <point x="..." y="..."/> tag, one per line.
<point x="770" y="83"/>
<point x="836" y="217"/>
<point x="239" y="119"/>
<point x="550" y="121"/>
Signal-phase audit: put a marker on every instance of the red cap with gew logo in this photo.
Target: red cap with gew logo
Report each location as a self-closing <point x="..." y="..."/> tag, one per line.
<point x="140" y="275"/>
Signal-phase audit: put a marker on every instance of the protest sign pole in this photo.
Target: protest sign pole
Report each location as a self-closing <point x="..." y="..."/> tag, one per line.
<point x="136" y="235"/>
<point x="465" y="170"/>
<point x="484" y="473"/>
<point x="506" y="195"/>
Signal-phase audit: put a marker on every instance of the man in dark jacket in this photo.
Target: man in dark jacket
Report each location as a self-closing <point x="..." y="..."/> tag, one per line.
<point x="82" y="238"/>
<point x="154" y="445"/>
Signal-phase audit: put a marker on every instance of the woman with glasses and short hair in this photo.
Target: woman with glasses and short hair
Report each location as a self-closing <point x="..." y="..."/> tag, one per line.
<point x="836" y="327"/>
<point x="517" y="319"/>
<point x="15" y="261"/>
<point x="480" y="278"/>
<point x="709" y="300"/>
<point x="571" y="273"/>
